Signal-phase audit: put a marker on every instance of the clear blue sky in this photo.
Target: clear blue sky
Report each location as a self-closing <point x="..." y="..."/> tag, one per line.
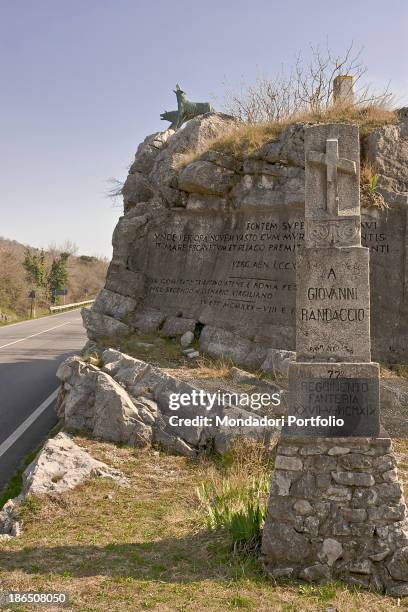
<point x="84" y="81"/>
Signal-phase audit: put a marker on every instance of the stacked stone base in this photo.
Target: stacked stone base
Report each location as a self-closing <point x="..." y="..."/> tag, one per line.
<point x="337" y="511"/>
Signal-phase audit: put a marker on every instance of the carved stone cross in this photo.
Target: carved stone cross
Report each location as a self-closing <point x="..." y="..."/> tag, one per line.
<point x="333" y="163"/>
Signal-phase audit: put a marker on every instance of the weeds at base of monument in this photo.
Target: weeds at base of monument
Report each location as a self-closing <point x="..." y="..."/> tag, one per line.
<point x="241" y="511"/>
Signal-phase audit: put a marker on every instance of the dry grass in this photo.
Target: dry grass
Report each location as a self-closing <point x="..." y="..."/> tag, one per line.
<point x="370" y="197"/>
<point x="396" y="371"/>
<point x="145" y="547"/>
<point x="212" y="368"/>
<point x="246" y="139"/>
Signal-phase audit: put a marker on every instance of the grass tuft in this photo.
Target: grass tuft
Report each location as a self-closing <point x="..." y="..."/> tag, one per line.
<point x="234" y="498"/>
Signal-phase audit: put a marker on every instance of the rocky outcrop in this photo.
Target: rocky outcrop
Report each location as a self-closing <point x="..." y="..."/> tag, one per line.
<point x="133" y="402"/>
<point x="93" y="401"/>
<point x="61" y="465"/>
<point x="154" y="172"/>
<point x="10" y="525"/>
<point x="387" y="149"/>
<point x="198" y="232"/>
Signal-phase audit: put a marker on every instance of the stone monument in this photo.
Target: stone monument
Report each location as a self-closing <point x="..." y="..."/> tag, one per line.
<point x="343" y="89"/>
<point x="336" y="508"/>
<point x="333" y="375"/>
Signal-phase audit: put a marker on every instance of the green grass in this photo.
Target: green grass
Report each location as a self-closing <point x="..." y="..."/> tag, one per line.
<point x="15" y="484"/>
<point x="239" y="508"/>
<point x="147" y="547"/>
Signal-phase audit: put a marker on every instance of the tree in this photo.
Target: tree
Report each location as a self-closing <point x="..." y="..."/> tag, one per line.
<point x="35" y="267"/>
<point x="45" y="278"/>
<point x="306" y="87"/>
<point x="58" y="274"/>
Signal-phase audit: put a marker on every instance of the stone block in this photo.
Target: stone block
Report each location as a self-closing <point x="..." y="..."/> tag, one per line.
<point x="338" y="494"/>
<point x="339" y="450"/>
<point x="302" y="507"/>
<point x="283" y="543"/>
<point x="358" y="479"/>
<point x="318" y="572"/>
<point x="332" y="307"/>
<point x="288" y="463"/>
<point x="354" y="515"/>
<point x="99" y="325"/>
<point x="364" y="497"/>
<point x="390" y="490"/>
<point x="387" y="513"/>
<point x="331" y="551"/>
<point x="206" y="178"/>
<point x="186" y="339"/>
<point x="398" y="565"/>
<point x="305" y="487"/>
<point x="355" y="461"/>
<point x="281" y="483"/>
<point x="353" y="397"/>
<point x="177" y="326"/>
<point x="113" y="304"/>
<point x="148" y="320"/>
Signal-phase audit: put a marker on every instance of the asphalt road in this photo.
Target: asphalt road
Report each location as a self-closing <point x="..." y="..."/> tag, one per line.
<point x="30" y="353"/>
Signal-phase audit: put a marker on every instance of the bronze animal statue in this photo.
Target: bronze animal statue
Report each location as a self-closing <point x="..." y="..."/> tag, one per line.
<point x="186" y="110"/>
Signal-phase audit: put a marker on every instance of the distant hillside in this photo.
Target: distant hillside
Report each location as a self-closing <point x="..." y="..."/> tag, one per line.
<point x="86" y="277"/>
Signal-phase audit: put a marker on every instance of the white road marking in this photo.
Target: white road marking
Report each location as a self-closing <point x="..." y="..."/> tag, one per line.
<point x="37" y="334"/>
<point x="50" y="316"/>
<point x="4" y="446"/>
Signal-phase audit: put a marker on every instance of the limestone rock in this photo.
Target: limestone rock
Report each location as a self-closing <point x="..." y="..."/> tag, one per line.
<point x="192" y="137"/>
<point x="122" y="280"/>
<point x="173" y="444"/>
<point x="220" y="342"/>
<point x="206" y="178"/>
<point x="130" y="401"/>
<point x="62" y="465"/>
<point x="9" y="520"/>
<point x="331" y="550"/>
<point x="136" y="189"/>
<point x="113" y="304"/>
<point x="283" y="543"/>
<point x="116" y="417"/>
<point x="177" y="326"/>
<point x="316" y="573"/>
<point x="148" y="150"/>
<point x="148" y="320"/>
<point x="99" y="325"/>
<point x="77" y="394"/>
<point x="201" y="202"/>
<point x="387" y="148"/>
<point x="277" y="362"/>
<point x="186" y="339"/>
<point x="359" y="479"/>
<point x="288" y="463"/>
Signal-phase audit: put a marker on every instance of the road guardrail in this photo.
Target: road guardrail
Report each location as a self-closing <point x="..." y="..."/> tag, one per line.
<point x="68" y="306"/>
